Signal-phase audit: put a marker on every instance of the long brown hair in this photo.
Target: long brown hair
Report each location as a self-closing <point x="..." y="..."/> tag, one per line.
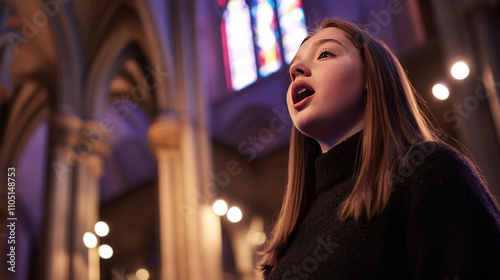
<point x="393" y="122"/>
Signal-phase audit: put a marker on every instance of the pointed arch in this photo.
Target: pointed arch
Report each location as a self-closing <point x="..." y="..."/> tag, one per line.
<point x="70" y="63"/>
<point x="156" y="28"/>
<point x="134" y="36"/>
<point x="27" y="110"/>
<point x="121" y="44"/>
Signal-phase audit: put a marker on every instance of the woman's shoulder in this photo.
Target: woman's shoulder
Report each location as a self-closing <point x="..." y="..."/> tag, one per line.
<point x="452" y="218"/>
<point x="437" y="172"/>
<point x="436" y="163"/>
<point x="437" y="152"/>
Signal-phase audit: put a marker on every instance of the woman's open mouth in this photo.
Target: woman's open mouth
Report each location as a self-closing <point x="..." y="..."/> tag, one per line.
<point x="301" y="92"/>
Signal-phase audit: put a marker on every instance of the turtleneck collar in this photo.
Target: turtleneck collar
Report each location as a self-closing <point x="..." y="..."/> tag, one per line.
<point x="337" y="164"/>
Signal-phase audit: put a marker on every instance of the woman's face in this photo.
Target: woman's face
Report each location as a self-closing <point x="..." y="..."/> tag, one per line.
<point x="325" y="98"/>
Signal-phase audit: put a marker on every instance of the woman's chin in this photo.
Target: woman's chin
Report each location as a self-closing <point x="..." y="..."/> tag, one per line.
<point x="309" y="129"/>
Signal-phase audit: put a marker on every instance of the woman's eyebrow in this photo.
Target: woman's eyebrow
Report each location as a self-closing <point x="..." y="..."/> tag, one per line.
<point x="326" y="40"/>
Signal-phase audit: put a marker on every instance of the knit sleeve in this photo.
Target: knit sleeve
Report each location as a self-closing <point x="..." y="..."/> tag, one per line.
<point x="453" y="223"/>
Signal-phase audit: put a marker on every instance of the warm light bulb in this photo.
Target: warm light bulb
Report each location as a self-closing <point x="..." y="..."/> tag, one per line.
<point x="105" y="251"/>
<point x="220" y="207"/>
<point x="101" y="229"/>
<point x="234" y="214"/>
<point x="460" y="70"/>
<point x="89" y="240"/>
<point x="142" y="274"/>
<point x="440" y="91"/>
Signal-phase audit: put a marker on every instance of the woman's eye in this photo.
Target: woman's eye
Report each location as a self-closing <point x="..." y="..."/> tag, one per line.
<point x="325" y="54"/>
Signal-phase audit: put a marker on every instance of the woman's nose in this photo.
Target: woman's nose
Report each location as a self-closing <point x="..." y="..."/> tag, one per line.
<point x="299" y="69"/>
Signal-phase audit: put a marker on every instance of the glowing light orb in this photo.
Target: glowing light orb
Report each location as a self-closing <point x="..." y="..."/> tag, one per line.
<point x="440" y="91"/>
<point x="234" y="214"/>
<point x="101" y="229"/>
<point x="220" y="207"/>
<point x="105" y="251"/>
<point x="460" y="70"/>
<point x="90" y="240"/>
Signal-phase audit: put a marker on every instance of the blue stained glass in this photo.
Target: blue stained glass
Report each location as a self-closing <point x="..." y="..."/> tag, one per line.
<point x="266" y="36"/>
<point x="238" y="44"/>
<point x="293" y="26"/>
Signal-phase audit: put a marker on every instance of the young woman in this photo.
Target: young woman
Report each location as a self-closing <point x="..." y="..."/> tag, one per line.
<point x="372" y="193"/>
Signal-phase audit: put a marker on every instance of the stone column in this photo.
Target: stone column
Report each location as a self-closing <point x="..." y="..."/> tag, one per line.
<point x="55" y="257"/>
<point x="484" y="24"/>
<point x="190" y="238"/>
<point x="164" y="138"/>
<point x="203" y="229"/>
<point x="85" y="261"/>
<point x="475" y="109"/>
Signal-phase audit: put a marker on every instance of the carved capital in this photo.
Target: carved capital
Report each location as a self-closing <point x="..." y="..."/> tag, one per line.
<point x="164" y="134"/>
<point x="94" y="164"/>
<point x="92" y="147"/>
<point x="93" y="137"/>
<point x="65" y="130"/>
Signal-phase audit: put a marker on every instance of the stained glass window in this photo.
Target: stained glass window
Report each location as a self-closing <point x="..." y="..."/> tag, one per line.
<point x="293" y="26"/>
<point x="238" y="44"/>
<point x="251" y="37"/>
<point x="266" y="36"/>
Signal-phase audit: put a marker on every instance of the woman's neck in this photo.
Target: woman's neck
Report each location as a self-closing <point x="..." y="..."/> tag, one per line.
<point x="332" y="141"/>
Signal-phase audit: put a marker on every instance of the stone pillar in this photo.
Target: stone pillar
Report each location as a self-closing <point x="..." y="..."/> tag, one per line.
<point x="85" y="261"/>
<point x="474" y="112"/>
<point x="484" y="24"/>
<point x="190" y="244"/>
<point x="202" y="225"/>
<point x="55" y="257"/>
<point x="164" y="138"/>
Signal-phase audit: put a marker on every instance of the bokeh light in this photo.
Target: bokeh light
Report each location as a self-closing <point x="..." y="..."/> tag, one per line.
<point x="234" y="214"/>
<point x="105" y="251"/>
<point x="220" y="207"/>
<point x="440" y="91"/>
<point x="142" y="274"/>
<point x="460" y="70"/>
<point x="90" y="240"/>
<point x="101" y="229"/>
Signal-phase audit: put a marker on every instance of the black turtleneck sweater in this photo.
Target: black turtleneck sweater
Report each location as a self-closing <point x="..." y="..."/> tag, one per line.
<point x="440" y="223"/>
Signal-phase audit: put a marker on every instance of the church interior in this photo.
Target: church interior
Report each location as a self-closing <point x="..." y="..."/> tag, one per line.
<point x="148" y="139"/>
